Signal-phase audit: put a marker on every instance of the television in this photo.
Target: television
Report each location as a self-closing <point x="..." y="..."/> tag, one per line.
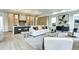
<point x="76" y="21"/>
<point x="62" y="28"/>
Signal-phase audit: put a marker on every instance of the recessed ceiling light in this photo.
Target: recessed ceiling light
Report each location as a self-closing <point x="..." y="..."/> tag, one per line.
<point x="55" y="13"/>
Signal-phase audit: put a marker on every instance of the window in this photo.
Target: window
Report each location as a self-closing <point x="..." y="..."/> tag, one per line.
<point x="76" y="16"/>
<point x="1" y="23"/>
<point x="54" y="20"/>
<point x="76" y="20"/>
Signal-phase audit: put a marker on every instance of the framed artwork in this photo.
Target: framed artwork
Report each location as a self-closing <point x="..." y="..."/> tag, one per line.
<point x="63" y="20"/>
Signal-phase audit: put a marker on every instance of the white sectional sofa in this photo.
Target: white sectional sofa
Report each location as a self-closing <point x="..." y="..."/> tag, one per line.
<point x="57" y="43"/>
<point x="34" y="32"/>
<point x="76" y="34"/>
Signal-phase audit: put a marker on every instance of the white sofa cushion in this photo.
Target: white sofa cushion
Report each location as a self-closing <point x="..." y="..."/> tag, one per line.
<point x="76" y="34"/>
<point x="56" y="43"/>
<point x="38" y="32"/>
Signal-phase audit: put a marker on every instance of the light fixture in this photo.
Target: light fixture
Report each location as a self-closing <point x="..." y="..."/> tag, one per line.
<point x="16" y="16"/>
<point x="28" y="17"/>
<point x="55" y="13"/>
<point x="36" y="18"/>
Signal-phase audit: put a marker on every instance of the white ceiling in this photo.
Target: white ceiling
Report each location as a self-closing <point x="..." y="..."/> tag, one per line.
<point x="36" y="12"/>
<point x="32" y="11"/>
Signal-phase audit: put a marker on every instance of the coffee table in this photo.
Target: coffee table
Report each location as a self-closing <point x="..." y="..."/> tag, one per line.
<point x="25" y="34"/>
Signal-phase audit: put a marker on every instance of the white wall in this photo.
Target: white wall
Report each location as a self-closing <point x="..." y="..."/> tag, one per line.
<point x="49" y="21"/>
<point x="71" y="23"/>
<point x="5" y="21"/>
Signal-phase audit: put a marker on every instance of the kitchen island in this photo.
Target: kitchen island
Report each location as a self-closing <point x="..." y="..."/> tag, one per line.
<point x="19" y="29"/>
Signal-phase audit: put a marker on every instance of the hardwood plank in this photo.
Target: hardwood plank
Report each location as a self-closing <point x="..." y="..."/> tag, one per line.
<point x="14" y="42"/>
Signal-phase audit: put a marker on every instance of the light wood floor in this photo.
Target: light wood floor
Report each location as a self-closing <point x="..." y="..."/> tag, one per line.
<point x="8" y="41"/>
